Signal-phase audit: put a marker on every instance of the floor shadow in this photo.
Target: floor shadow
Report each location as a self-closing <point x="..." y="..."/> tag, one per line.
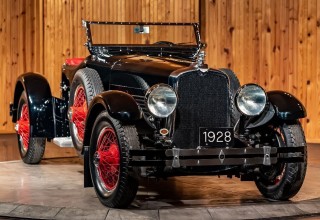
<point x="62" y="161"/>
<point x="188" y="192"/>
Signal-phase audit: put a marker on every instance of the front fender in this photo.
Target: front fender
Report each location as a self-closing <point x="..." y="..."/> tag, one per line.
<point x="119" y="105"/>
<point x="40" y="103"/>
<point x="287" y="107"/>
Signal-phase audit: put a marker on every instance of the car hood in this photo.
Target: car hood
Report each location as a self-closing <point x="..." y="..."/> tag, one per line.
<point x="147" y="65"/>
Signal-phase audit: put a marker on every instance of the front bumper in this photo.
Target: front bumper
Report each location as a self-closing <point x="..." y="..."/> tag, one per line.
<point x="177" y="157"/>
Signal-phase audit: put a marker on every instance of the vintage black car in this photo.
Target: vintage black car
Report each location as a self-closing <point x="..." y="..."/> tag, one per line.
<point x="155" y="109"/>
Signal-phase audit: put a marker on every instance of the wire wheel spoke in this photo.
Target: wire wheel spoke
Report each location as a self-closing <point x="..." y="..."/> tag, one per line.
<point x="109" y="158"/>
<point x="79" y="112"/>
<point x="23" y="127"/>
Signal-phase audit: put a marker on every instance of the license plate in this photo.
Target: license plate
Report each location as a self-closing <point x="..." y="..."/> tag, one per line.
<point x="216" y="137"/>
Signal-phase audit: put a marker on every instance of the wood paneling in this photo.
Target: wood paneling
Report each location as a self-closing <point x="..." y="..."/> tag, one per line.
<point x="275" y="43"/>
<point x="20" y="47"/>
<point x="39" y="35"/>
<point x="64" y="37"/>
<point x="9" y="149"/>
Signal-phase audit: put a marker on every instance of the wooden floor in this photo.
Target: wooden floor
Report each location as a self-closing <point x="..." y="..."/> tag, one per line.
<point x="9" y="149"/>
<point x="54" y="190"/>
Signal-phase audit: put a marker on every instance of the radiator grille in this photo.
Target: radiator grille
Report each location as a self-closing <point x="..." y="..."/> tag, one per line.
<point x="202" y="102"/>
<point x="141" y="102"/>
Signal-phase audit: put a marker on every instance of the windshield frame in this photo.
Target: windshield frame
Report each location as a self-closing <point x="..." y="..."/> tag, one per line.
<point x="86" y="25"/>
<point x="103" y="51"/>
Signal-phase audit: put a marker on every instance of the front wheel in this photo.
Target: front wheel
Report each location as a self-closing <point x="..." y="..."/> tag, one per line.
<point x="31" y="149"/>
<point x="282" y="181"/>
<point x="115" y="183"/>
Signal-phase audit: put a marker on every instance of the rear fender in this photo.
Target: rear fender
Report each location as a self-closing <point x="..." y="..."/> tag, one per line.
<point x="40" y="103"/>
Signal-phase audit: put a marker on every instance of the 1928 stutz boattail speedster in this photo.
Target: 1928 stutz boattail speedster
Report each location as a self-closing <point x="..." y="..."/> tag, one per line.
<point x="152" y="108"/>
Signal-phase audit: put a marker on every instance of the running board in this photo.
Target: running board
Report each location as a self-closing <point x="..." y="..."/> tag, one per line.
<point x="63" y="141"/>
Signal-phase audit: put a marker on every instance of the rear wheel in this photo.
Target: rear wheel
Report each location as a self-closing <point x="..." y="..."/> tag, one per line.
<point x="85" y="86"/>
<point x="115" y="183"/>
<point x="31" y="149"/>
<point x="283" y="180"/>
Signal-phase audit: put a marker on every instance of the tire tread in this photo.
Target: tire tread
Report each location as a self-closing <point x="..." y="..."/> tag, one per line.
<point x="36" y="146"/>
<point x="92" y="84"/>
<point x="294" y="173"/>
<point x="35" y="151"/>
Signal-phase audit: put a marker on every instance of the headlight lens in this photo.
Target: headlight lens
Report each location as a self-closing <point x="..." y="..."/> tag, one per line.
<point x="251" y="100"/>
<point x="161" y="100"/>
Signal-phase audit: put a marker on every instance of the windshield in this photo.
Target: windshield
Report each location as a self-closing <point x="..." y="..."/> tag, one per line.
<point x="141" y="34"/>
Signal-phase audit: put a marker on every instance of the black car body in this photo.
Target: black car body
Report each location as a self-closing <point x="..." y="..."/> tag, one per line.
<point x="157" y="110"/>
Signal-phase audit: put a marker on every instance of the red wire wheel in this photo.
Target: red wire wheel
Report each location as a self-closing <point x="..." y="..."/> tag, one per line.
<point x="23" y="127"/>
<point x="107" y="159"/>
<point x="115" y="182"/>
<point x="31" y="148"/>
<point x="79" y="112"/>
<point x="86" y="84"/>
<point x="278" y="178"/>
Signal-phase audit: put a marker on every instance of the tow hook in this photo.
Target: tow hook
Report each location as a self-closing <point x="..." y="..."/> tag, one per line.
<point x="175" y="162"/>
<point x="266" y="158"/>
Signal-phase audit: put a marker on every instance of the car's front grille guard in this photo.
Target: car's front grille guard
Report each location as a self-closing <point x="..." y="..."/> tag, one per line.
<point x="171" y="120"/>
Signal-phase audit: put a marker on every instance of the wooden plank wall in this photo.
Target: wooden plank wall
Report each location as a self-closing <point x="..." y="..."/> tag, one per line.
<point x="39" y="35"/>
<point x="64" y="37"/>
<point x="275" y="43"/>
<point x="20" y="47"/>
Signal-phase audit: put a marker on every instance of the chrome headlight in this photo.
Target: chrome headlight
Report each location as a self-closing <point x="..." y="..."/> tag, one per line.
<point x="161" y="100"/>
<point x="251" y="99"/>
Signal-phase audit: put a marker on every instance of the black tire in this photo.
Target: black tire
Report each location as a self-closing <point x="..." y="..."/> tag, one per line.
<point x="284" y="180"/>
<point x="122" y="193"/>
<point x="32" y="151"/>
<point x="234" y="86"/>
<point x="90" y="81"/>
